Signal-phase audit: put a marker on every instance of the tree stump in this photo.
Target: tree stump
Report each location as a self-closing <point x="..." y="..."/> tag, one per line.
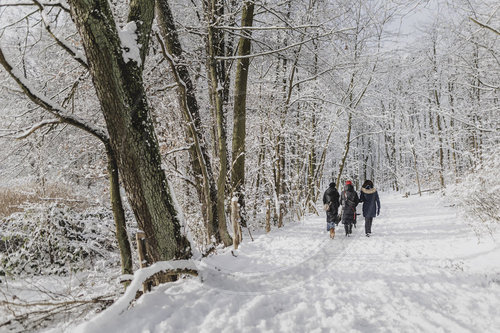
<point x="140" y="237"/>
<point x="235" y="219"/>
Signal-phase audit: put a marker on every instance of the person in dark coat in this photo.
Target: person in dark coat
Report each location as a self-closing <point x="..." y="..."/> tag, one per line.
<point x="371" y="204"/>
<point x="349" y="200"/>
<point x="331" y="202"/>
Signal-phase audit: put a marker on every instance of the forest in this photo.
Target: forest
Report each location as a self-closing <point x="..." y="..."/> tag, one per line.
<point x="172" y="130"/>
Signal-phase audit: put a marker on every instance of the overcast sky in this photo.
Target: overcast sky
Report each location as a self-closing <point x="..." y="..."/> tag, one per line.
<point x="409" y="26"/>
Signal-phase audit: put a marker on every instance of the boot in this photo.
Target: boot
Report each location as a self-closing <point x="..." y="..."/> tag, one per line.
<point x="332" y="233"/>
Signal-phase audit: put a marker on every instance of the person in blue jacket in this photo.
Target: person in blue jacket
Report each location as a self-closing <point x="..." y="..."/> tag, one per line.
<point x="371" y="204"/>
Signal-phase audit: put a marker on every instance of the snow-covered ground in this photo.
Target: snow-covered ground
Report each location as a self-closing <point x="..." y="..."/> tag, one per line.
<point x="422" y="270"/>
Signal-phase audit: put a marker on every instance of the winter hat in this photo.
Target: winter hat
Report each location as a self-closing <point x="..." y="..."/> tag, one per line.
<point x="348" y="182"/>
<point x="332" y="184"/>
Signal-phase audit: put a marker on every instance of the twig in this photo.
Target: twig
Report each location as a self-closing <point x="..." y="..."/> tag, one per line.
<point x="484" y="25"/>
<point x="35" y="127"/>
<point x="28" y="4"/>
<point x="98" y="299"/>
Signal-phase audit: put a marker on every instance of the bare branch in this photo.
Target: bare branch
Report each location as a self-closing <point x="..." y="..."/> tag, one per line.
<point x="27" y="4"/>
<point x="16" y="22"/>
<point x="104" y="299"/>
<point x="314" y="77"/>
<point x="37" y="126"/>
<point x="363" y="134"/>
<point x="484" y="25"/>
<point x="59" y="112"/>
<point x="77" y="55"/>
<point x="224" y="27"/>
<point x="186" y="148"/>
<point x="283" y="48"/>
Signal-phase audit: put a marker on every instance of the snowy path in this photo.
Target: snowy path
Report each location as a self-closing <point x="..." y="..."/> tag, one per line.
<point x="421" y="271"/>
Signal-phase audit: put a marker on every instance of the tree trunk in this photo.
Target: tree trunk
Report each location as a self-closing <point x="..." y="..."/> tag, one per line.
<point x="200" y="159"/>
<point x="239" y="117"/>
<point x="436" y="89"/>
<point x="117" y="75"/>
<point x="452" y="125"/>
<point x="313" y="162"/>
<point x="216" y="73"/>
<point x="415" y="166"/>
<point x="118" y="213"/>
<point x="346" y="148"/>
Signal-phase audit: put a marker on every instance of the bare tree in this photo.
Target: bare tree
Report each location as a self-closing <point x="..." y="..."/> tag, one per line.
<point x="200" y="160"/>
<point x="214" y="12"/>
<point x="239" y="115"/>
<point x="116" y="62"/>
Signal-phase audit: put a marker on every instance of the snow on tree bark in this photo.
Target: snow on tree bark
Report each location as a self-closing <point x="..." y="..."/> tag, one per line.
<point x="119" y="86"/>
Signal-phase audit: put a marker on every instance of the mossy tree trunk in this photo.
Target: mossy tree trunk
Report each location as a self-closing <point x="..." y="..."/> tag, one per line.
<point x="117" y="76"/>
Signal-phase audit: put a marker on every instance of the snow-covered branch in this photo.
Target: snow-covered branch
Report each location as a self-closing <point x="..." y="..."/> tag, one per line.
<point x="225" y="27"/>
<point x="485" y="25"/>
<point x="27" y="4"/>
<point x="77" y="55"/>
<point x="291" y="46"/>
<point x="140" y="276"/>
<point x="185" y="148"/>
<point x="59" y="112"/>
<point x="37" y="126"/>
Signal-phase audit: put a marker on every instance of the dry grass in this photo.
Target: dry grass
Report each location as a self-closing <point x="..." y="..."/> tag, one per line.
<point x="15" y="199"/>
<point x="11" y="200"/>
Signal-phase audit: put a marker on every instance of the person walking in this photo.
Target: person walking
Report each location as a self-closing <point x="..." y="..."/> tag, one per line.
<point x="371" y="204"/>
<point x="349" y="200"/>
<point x="331" y="205"/>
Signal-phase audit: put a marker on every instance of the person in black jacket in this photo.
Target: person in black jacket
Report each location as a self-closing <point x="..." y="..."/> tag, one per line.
<point x="349" y="200"/>
<point x="331" y="204"/>
<point x="371" y="204"/>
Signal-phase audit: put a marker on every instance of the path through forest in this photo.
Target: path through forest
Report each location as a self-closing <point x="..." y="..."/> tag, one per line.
<point x="422" y="270"/>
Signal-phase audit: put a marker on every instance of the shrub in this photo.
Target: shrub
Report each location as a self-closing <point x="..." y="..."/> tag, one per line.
<point x="53" y="239"/>
<point x="476" y="196"/>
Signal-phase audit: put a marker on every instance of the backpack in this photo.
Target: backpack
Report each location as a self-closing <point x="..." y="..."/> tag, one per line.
<point x="348" y="201"/>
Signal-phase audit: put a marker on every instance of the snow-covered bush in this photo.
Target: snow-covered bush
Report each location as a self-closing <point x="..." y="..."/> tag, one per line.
<point x="52" y="239"/>
<point x="476" y="195"/>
